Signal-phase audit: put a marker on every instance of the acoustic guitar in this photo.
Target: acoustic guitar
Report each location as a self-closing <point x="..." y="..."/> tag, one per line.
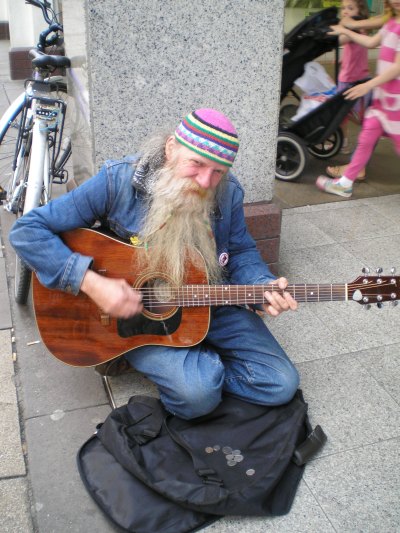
<point x="78" y="333"/>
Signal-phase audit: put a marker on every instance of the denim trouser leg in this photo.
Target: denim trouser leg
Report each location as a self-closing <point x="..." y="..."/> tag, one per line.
<point x="256" y="367"/>
<point x="189" y="380"/>
<point x="239" y="356"/>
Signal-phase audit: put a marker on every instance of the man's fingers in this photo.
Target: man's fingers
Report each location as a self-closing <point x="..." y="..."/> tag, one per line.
<point x="281" y="300"/>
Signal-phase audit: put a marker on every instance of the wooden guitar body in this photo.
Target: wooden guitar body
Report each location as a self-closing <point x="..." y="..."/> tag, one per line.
<point x="78" y="333"/>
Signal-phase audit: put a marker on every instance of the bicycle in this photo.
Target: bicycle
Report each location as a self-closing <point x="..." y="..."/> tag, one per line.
<point x="32" y="147"/>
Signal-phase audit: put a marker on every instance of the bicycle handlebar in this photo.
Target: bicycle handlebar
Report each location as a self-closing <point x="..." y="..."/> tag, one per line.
<point x="44" y="5"/>
<point x="55" y="39"/>
<point x="41" y="60"/>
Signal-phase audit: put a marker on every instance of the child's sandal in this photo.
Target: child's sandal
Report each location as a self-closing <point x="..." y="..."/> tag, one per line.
<point x="338" y="171"/>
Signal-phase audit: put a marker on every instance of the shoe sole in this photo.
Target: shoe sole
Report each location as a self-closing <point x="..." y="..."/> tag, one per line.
<point x="336" y="193"/>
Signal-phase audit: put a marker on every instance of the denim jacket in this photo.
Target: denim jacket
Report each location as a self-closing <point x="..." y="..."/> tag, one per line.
<point x="110" y="197"/>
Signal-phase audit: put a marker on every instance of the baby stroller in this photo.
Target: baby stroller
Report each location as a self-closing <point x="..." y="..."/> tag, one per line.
<point x="318" y="132"/>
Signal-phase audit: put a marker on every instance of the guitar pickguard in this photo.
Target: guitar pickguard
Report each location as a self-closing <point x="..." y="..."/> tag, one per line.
<point x="142" y="325"/>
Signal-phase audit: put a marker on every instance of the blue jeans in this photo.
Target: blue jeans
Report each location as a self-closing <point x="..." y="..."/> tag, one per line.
<point x="239" y="356"/>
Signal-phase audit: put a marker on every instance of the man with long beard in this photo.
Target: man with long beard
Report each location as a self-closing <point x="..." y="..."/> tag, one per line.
<point x="176" y="196"/>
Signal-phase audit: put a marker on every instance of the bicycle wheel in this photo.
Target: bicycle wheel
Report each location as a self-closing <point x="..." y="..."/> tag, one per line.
<point x="9" y="130"/>
<point x="22" y="279"/>
<point x="14" y="168"/>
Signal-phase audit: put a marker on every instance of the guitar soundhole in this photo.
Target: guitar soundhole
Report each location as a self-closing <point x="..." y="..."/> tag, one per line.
<point x="157" y="297"/>
<point x="160" y="316"/>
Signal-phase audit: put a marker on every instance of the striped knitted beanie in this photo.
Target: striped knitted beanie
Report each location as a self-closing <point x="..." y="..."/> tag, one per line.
<point x="210" y="134"/>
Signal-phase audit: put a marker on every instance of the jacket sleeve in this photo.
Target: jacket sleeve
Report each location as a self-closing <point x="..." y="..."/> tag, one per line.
<point x="35" y="235"/>
<point x="246" y="267"/>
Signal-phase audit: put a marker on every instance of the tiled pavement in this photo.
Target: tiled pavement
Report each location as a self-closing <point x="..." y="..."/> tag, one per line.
<point x="348" y="359"/>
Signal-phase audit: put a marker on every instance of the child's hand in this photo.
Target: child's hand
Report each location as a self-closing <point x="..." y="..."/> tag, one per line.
<point x="357" y="91"/>
<point x="337" y="29"/>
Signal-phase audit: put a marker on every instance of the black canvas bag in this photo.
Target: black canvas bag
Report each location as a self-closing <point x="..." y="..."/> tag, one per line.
<point x="163" y="463"/>
<point x="126" y="501"/>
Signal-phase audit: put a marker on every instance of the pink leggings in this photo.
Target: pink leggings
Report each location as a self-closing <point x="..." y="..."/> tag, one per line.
<point x="371" y="131"/>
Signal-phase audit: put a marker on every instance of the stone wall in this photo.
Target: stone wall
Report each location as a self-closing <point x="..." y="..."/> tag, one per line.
<point x="140" y="66"/>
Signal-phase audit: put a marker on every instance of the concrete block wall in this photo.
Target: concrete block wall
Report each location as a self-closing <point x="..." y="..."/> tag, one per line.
<point x="140" y="66"/>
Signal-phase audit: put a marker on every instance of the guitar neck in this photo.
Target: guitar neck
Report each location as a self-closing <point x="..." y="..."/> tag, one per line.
<point x="205" y="295"/>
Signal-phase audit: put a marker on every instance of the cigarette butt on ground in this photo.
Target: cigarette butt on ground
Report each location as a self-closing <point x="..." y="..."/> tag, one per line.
<point x="32" y="342"/>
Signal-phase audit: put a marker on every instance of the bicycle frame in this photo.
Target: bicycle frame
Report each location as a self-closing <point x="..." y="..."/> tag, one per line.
<point x="46" y="116"/>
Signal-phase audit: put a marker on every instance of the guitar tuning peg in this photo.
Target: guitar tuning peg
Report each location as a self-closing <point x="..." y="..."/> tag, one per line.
<point x="393" y="270"/>
<point x="365" y="270"/>
<point x="366" y="307"/>
<point x="379" y="270"/>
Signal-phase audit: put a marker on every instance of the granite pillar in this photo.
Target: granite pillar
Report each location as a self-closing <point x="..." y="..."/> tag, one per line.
<point x="140" y="66"/>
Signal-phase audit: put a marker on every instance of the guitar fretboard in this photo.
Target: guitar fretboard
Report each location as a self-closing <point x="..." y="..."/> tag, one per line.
<point x="204" y="295"/>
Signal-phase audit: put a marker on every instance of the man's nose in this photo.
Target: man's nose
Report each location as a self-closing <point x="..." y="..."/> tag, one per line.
<point x="204" y="177"/>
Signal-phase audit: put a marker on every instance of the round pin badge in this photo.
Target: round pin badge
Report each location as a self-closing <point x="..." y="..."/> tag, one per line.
<point x="223" y="259"/>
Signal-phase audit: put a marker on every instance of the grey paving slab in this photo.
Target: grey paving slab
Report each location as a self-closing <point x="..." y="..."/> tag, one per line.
<point x="333" y="206"/>
<point x="353" y="223"/>
<point x="349" y="404"/>
<point x="320" y="264"/>
<point x="50" y="385"/>
<point x="383" y="364"/>
<point x="305" y="516"/>
<point x="305" y="337"/>
<point x="297" y="233"/>
<point x="359" y="329"/>
<point x="5" y="315"/>
<point x="131" y="384"/>
<point x="11" y="456"/>
<point x="61" y="501"/>
<point x="381" y="252"/>
<point x="359" y="490"/>
<point x="7" y="378"/>
<point x="389" y="206"/>
<point x="14" y="506"/>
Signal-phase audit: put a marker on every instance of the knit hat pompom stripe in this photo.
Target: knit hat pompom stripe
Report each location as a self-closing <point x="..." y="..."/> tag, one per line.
<point x="210" y="134"/>
<point x="215" y="133"/>
<point x="207" y="135"/>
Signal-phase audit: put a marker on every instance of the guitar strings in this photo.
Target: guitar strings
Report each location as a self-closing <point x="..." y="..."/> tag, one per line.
<point x="217" y="293"/>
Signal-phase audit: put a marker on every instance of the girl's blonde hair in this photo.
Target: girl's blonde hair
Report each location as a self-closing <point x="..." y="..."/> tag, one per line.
<point x="388" y="11"/>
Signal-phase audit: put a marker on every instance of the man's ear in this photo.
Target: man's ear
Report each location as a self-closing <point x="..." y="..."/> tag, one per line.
<point x="170" y="147"/>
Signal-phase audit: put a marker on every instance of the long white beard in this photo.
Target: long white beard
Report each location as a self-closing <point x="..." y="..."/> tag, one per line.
<point x="178" y="222"/>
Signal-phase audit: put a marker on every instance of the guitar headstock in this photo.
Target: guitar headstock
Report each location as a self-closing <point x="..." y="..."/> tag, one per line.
<point x="375" y="289"/>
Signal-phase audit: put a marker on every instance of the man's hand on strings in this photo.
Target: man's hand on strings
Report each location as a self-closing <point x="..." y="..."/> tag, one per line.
<point x="278" y="301"/>
<point x="115" y="297"/>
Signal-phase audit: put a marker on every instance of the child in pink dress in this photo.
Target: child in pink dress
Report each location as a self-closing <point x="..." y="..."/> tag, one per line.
<point x="383" y="117"/>
<point x="353" y="65"/>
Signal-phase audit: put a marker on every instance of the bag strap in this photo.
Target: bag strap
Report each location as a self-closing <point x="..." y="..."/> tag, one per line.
<point x="310" y="446"/>
<point x="207" y="474"/>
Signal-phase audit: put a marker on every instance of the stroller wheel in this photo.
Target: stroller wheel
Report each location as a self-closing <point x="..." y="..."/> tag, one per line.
<point x="329" y="147"/>
<point x="291" y="157"/>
